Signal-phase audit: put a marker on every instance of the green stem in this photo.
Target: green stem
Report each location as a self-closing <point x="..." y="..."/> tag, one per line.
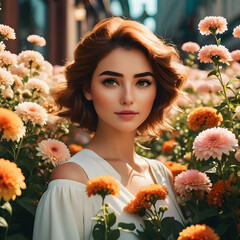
<point x="19" y="147"/>
<point x="104" y="216"/>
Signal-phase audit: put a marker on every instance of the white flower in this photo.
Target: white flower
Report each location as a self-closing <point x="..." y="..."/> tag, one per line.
<point x="38" y="85"/>
<point x="237" y="113"/>
<point x="6" y="77"/>
<point x="8" y="93"/>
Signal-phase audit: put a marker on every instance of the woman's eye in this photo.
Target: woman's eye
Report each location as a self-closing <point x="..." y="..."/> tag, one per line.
<point x="143" y="83"/>
<point x="110" y="82"/>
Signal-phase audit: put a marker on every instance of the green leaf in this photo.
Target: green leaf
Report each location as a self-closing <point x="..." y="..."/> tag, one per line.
<point x="233" y="80"/>
<point x="27" y="203"/>
<point x="18" y="236"/>
<point x="218" y="41"/>
<point x="111" y="219"/>
<point x="142" y="235"/>
<point x="98" y="232"/>
<point x="3" y="222"/>
<point x="167" y="226"/>
<point x="222" y="228"/>
<point x="177" y="228"/>
<point x="114" y="234"/>
<point x="7" y="206"/>
<point x="213" y="72"/>
<point x="207" y="213"/>
<point x="3" y="150"/>
<point x="208" y="169"/>
<point x="126" y="226"/>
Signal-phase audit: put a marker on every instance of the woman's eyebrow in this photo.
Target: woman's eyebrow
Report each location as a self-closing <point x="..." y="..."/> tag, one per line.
<point x="144" y="74"/>
<point x="116" y="74"/>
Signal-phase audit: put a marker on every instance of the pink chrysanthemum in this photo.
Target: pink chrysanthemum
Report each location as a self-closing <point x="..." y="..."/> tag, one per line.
<point x="36" y="40"/>
<point x="213" y="142"/>
<point x="2" y="47"/>
<point x="7" y="32"/>
<point x="235" y="55"/>
<point x="33" y="112"/>
<point x="7" y="58"/>
<point x="19" y="70"/>
<point x="6" y="77"/>
<point x="207" y="52"/>
<point x="236" y="32"/>
<point x="218" y="23"/>
<point x="38" y="85"/>
<point x="192" y="180"/>
<point x="53" y="151"/>
<point x="191" y="47"/>
<point x="29" y="56"/>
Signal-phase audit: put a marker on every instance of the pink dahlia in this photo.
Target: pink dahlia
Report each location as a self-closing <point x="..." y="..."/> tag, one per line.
<point x="235" y="55"/>
<point x="7" y="32"/>
<point x="30" y="56"/>
<point x="207" y="52"/>
<point x="2" y="47"/>
<point x="6" y="77"/>
<point x="33" y="112"/>
<point x="213" y="142"/>
<point x="53" y="151"/>
<point x="216" y="23"/>
<point x="38" y="85"/>
<point x="192" y="180"/>
<point x="36" y="40"/>
<point x="236" y="32"/>
<point x="7" y="58"/>
<point x="191" y="47"/>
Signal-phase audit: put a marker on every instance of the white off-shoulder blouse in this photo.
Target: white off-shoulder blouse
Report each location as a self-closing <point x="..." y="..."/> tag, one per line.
<point x="65" y="211"/>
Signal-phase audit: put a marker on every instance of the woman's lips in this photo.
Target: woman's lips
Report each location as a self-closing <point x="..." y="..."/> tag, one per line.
<point x="126" y="115"/>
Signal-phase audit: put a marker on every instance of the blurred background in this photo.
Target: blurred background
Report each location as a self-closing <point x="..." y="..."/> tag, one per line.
<point x="63" y="22"/>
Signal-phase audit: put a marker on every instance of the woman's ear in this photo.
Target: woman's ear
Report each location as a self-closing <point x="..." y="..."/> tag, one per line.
<point x="87" y="94"/>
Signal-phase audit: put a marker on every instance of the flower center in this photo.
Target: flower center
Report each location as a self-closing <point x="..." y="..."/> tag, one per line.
<point x="54" y="149"/>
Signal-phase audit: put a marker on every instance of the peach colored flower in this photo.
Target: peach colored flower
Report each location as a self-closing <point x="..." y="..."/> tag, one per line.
<point x="102" y="185"/>
<point x="19" y="70"/>
<point x="235" y="55"/>
<point x="36" y="40"/>
<point x="6" y="77"/>
<point x="208" y="23"/>
<point x="236" y="32"/>
<point x="213" y="142"/>
<point x="208" y="87"/>
<point x="175" y="168"/>
<point x="38" y="85"/>
<point x="53" y="151"/>
<point x="7" y="93"/>
<point x="74" y="148"/>
<point x="192" y="180"/>
<point x="204" y="117"/>
<point x="11" y="180"/>
<point x="209" y="52"/>
<point x="11" y="124"/>
<point x="33" y="112"/>
<point x="191" y="47"/>
<point x="7" y="59"/>
<point x="29" y="56"/>
<point x="46" y="67"/>
<point x="198" y="232"/>
<point x="7" y="32"/>
<point x="168" y="146"/>
<point x="2" y="47"/>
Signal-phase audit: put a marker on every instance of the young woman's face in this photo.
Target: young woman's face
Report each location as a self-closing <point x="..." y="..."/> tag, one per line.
<point x="123" y="90"/>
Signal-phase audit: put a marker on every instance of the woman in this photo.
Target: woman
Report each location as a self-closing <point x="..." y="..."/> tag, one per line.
<point x="121" y="84"/>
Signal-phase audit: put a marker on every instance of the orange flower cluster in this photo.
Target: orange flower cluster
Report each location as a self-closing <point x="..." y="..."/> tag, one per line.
<point x="168" y="146"/>
<point x="198" y="232"/>
<point x="11" y="180"/>
<point x="204" y="117"/>
<point x="145" y="197"/>
<point x="74" y="148"/>
<point x="215" y="196"/>
<point x="175" y="167"/>
<point x="102" y="185"/>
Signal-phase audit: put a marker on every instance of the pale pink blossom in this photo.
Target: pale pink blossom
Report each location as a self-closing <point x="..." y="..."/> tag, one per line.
<point x="235" y="55"/>
<point x="219" y="23"/>
<point x="19" y="70"/>
<point x="30" y="56"/>
<point x="191" y="47"/>
<point x="192" y="180"/>
<point x="36" y="39"/>
<point x="7" y="58"/>
<point x="237" y="114"/>
<point x="8" y="93"/>
<point x="7" y="32"/>
<point x="6" y="77"/>
<point x="236" y="32"/>
<point x="2" y="47"/>
<point x="30" y="111"/>
<point x="26" y="93"/>
<point x="207" y="52"/>
<point x="237" y="155"/>
<point x="38" y="85"/>
<point x="53" y="151"/>
<point x="57" y="69"/>
<point x="208" y="87"/>
<point x="17" y="81"/>
<point x="213" y="142"/>
<point x="52" y="122"/>
<point x="46" y="67"/>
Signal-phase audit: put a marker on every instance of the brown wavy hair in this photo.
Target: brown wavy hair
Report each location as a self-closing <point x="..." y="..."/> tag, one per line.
<point x="107" y="35"/>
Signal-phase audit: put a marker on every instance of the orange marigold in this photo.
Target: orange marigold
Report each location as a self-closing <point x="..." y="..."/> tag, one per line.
<point x="175" y="167"/>
<point x="168" y="146"/>
<point x="215" y="196"/>
<point x="204" y="117"/>
<point x="11" y="124"/>
<point x="11" y="180"/>
<point x="74" y="148"/>
<point x="102" y="185"/>
<point x="198" y="232"/>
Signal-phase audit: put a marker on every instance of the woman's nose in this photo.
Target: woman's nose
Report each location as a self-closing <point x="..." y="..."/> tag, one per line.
<point x="127" y="96"/>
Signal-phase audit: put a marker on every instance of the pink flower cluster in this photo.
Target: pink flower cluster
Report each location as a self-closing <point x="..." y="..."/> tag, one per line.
<point x="236" y="32"/>
<point x="30" y="56"/>
<point x="36" y="40"/>
<point x="192" y="180"/>
<point x="213" y="142"/>
<point x="235" y="55"/>
<point x="191" y="47"/>
<point x="7" y="32"/>
<point x="207" y="52"/>
<point x="212" y="22"/>
<point x="7" y="58"/>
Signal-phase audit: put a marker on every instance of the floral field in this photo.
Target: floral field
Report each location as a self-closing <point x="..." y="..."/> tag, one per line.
<point x="202" y="151"/>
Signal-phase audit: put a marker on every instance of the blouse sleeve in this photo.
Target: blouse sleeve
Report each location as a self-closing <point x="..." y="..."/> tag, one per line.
<point x="64" y="212"/>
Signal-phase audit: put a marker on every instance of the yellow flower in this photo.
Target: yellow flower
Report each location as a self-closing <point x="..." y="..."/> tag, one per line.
<point x="102" y="185"/>
<point x="175" y="168"/>
<point x="11" y="180"/>
<point x="198" y="232"/>
<point x="204" y="117"/>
